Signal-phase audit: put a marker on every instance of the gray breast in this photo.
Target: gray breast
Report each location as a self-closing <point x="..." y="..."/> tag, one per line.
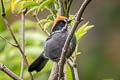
<point x="53" y="46"/>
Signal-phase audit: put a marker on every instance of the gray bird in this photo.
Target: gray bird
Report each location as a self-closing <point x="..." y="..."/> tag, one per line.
<point x="54" y="44"/>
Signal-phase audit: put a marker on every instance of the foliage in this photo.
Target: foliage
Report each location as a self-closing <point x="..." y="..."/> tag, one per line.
<point x="80" y="33"/>
<point x="34" y="37"/>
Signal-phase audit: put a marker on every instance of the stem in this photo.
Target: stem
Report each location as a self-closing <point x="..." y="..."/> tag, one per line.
<point x="65" y="72"/>
<point x="46" y="32"/>
<point x="74" y="68"/>
<point x="22" y="41"/>
<point x="8" y="41"/>
<point x="8" y="72"/>
<point x="68" y="8"/>
<point x="61" y="8"/>
<point x="66" y="45"/>
<point x="54" y="72"/>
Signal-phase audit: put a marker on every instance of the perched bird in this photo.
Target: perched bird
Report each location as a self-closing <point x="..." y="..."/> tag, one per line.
<point x="54" y="44"/>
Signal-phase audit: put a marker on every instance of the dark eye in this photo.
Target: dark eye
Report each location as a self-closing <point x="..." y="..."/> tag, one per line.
<point x="61" y="22"/>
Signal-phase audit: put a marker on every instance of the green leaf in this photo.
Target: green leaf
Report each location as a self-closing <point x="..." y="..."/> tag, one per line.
<point x="29" y="4"/>
<point x="69" y="73"/>
<point x="78" y="53"/>
<point x="40" y="1"/>
<point x="31" y="10"/>
<point x="49" y="16"/>
<point x="54" y="11"/>
<point x="44" y="4"/>
<point x="89" y="27"/>
<point x="73" y="21"/>
<point x="80" y="33"/>
<point x="83" y="30"/>
<point x="46" y="25"/>
<point x="42" y="21"/>
<point x="17" y="7"/>
<point x="13" y="5"/>
<point x="45" y="21"/>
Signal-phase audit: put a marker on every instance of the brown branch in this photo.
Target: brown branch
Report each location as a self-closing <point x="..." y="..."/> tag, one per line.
<point x="8" y="72"/>
<point x="15" y="45"/>
<point x="65" y="72"/>
<point x="22" y="40"/>
<point x="6" y="22"/>
<point x="66" y="45"/>
<point x="54" y="72"/>
<point x="74" y="67"/>
<point x="13" y="36"/>
<point x="46" y="32"/>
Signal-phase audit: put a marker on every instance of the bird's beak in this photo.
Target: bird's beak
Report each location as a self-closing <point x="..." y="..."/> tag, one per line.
<point x="69" y="20"/>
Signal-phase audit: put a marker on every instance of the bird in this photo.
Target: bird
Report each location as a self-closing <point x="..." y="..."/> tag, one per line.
<point x="54" y="44"/>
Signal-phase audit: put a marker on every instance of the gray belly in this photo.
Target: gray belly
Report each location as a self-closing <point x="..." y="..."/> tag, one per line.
<point x="53" y="46"/>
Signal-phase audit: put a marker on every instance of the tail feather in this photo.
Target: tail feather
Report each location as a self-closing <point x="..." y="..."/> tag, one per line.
<point x="38" y="64"/>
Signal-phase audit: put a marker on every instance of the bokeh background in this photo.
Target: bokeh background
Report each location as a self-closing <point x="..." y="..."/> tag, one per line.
<point x="100" y="47"/>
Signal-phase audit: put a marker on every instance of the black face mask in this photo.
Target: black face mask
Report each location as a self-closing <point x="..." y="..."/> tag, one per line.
<point x="59" y="25"/>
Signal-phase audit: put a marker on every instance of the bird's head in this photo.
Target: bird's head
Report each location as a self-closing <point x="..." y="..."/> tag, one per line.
<point x="60" y="22"/>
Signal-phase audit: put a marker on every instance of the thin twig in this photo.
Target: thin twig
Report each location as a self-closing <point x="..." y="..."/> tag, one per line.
<point x="74" y="67"/>
<point x="36" y="17"/>
<point x="6" y="22"/>
<point x="13" y="36"/>
<point x="8" y="72"/>
<point x="46" y="32"/>
<point x="15" y="45"/>
<point x="66" y="45"/>
<point x="65" y="72"/>
<point x="68" y="7"/>
<point x="22" y="41"/>
<point x="54" y="72"/>
<point x="61" y="8"/>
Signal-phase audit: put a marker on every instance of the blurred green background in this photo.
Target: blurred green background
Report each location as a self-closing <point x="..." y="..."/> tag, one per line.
<point x="100" y="47"/>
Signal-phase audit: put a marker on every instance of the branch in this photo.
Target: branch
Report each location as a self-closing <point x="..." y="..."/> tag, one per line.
<point x="74" y="67"/>
<point x="22" y="40"/>
<point x="66" y="45"/>
<point x="61" y="8"/>
<point x="46" y="32"/>
<point x="13" y="36"/>
<point x="8" y="72"/>
<point x="65" y="72"/>
<point x="54" y="72"/>
<point x="68" y="7"/>
<point x="8" y="41"/>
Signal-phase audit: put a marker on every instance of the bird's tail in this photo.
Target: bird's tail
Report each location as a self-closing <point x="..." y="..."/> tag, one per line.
<point x="38" y="64"/>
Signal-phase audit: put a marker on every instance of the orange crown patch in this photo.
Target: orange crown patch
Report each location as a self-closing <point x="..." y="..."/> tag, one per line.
<point x="58" y="19"/>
